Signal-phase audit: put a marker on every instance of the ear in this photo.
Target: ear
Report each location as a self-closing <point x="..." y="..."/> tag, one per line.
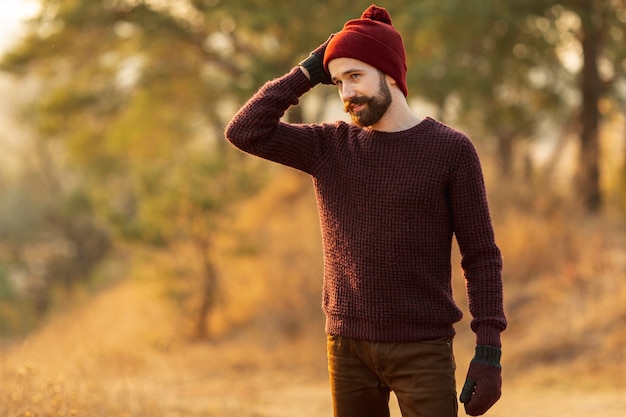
<point x="390" y="81"/>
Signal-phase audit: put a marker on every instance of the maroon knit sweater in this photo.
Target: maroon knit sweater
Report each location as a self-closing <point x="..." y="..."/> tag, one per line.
<point x="389" y="204"/>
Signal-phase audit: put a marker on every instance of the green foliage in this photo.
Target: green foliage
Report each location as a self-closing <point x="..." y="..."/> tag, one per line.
<point x="20" y="215"/>
<point x="511" y="69"/>
<point x="133" y="95"/>
<point x="49" y="242"/>
<point x="141" y="82"/>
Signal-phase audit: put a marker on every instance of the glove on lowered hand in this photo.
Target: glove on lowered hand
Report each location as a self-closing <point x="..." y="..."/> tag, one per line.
<point x="483" y="385"/>
<point x="314" y="64"/>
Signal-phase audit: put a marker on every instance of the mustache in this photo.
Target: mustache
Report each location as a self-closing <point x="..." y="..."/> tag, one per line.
<point x="355" y="101"/>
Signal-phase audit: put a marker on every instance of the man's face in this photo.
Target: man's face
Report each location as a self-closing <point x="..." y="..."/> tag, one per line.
<point x="363" y="90"/>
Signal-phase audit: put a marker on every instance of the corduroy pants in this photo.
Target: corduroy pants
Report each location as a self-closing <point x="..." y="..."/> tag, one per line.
<point x="362" y="375"/>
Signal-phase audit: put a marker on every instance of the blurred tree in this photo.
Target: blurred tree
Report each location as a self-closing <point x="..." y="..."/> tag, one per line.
<point x="601" y="34"/>
<point x="128" y="88"/>
<point x="50" y="238"/>
<point x="515" y="67"/>
<point x="137" y="93"/>
<point x="479" y="73"/>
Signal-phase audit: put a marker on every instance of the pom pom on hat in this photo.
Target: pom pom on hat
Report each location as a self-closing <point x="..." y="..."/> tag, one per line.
<point x="377" y="13"/>
<point x="373" y="40"/>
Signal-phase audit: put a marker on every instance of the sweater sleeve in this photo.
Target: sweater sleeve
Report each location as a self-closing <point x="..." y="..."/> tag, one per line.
<point x="257" y="127"/>
<point x="481" y="258"/>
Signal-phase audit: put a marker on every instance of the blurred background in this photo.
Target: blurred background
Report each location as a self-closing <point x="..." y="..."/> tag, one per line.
<point x="149" y="269"/>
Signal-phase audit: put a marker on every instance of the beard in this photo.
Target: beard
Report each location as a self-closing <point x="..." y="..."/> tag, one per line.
<point x="374" y="108"/>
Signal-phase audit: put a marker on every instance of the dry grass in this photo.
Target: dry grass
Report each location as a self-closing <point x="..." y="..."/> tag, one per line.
<point x="84" y="361"/>
<point x="566" y="300"/>
<point x="125" y="352"/>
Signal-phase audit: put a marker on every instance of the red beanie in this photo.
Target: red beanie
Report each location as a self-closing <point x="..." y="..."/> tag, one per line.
<point x="373" y="40"/>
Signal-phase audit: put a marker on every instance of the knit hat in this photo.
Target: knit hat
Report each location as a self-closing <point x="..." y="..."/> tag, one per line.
<point x="373" y="40"/>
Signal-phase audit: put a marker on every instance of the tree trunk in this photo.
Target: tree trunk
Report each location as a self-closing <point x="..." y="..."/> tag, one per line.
<point x="591" y="87"/>
<point x="208" y="292"/>
<point x="505" y="154"/>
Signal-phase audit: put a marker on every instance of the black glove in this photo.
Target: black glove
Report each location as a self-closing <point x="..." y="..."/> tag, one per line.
<point x="314" y="64"/>
<point x="483" y="385"/>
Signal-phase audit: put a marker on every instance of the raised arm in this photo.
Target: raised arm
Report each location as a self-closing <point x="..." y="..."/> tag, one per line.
<point x="257" y="127"/>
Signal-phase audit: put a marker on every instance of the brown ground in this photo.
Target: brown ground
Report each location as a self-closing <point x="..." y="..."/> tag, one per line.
<point x="118" y="357"/>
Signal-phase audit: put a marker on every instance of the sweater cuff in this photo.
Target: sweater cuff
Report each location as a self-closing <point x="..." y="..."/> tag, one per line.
<point x="298" y="81"/>
<point x="488" y="335"/>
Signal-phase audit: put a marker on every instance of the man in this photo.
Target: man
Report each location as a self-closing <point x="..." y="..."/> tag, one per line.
<point x="392" y="190"/>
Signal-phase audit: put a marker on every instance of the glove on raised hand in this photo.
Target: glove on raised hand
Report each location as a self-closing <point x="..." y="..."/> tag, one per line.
<point x="483" y="385"/>
<point x="314" y="64"/>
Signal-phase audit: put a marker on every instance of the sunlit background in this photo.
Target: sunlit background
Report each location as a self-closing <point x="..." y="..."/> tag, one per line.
<point x="12" y="16"/>
<point x="149" y="269"/>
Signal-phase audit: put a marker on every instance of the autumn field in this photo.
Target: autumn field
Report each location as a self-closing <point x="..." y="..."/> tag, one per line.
<point x="126" y="351"/>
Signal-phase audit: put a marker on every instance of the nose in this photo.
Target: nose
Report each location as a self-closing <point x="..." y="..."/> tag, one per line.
<point x="346" y="91"/>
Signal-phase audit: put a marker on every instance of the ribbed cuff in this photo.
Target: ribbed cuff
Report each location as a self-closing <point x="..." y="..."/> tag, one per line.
<point x="297" y="81"/>
<point x="488" y="335"/>
<point x="489" y="355"/>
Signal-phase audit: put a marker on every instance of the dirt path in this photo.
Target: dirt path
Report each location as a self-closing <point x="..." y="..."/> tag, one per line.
<point x="273" y="396"/>
<point x="559" y="402"/>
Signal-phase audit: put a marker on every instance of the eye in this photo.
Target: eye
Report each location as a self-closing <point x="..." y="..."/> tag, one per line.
<point x="354" y="76"/>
